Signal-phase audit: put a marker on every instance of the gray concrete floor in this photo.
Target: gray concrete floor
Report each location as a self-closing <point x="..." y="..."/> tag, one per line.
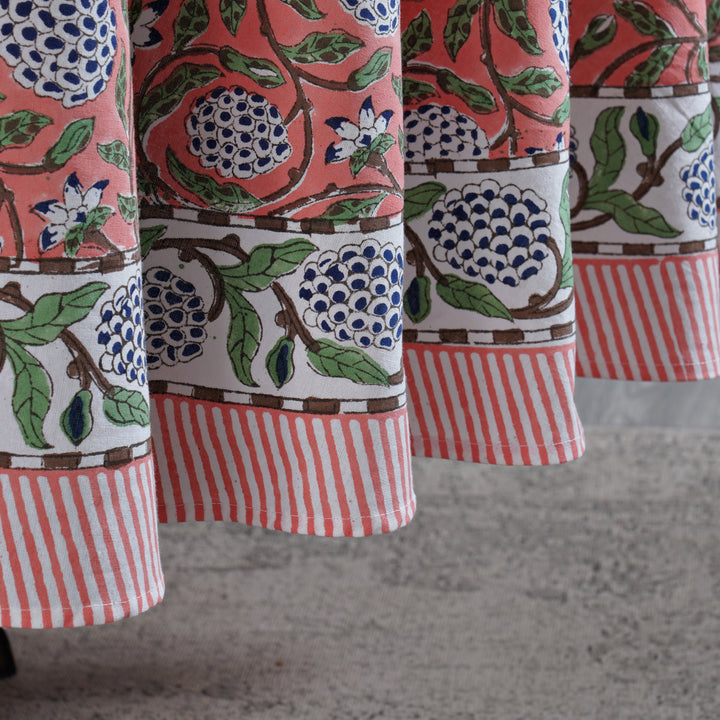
<point x="586" y="592"/>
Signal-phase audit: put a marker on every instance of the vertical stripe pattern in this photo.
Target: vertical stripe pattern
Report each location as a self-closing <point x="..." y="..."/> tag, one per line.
<point x="506" y="406"/>
<point x="78" y="548"/>
<point x="333" y="475"/>
<point x="648" y="319"/>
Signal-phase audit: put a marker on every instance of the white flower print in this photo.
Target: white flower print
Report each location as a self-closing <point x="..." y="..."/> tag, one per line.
<point x="80" y="209"/>
<point x="142" y="32"/>
<point x="360" y="140"/>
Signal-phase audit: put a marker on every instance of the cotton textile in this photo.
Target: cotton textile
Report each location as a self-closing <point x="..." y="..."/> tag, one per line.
<point x="256" y="253"/>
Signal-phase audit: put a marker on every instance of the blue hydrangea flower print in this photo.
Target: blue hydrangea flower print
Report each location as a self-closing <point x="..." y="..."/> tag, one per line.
<point x="355" y="294"/>
<point x="63" y="50"/>
<point x="435" y="131"/>
<point x="559" y="16"/>
<point x="381" y="15"/>
<point x="122" y="335"/>
<point x="498" y="233"/>
<point x="699" y="191"/>
<point x="237" y="133"/>
<point x="175" y="318"/>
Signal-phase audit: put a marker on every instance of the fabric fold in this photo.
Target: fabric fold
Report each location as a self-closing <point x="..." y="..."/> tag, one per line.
<point x="78" y="515"/>
<point x="643" y="191"/>
<point x="271" y="205"/>
<point x="490" y="316"/>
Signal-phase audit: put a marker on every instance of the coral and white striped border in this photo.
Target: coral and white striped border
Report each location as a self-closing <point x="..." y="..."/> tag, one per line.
<point x="78" y="548"/>
<point x="504" y="406"/>
<point x="648" y="319"/>
<point x="332" y="475"/>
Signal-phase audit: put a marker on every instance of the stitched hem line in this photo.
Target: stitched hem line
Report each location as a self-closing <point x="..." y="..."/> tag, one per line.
<point x="317" y="518"/>
<point x="564" y="445"/>
<point x="152" y="599"/>
<point x="643" y="366"/>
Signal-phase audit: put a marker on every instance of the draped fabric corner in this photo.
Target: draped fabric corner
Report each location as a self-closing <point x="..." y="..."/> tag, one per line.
<point x="257" y="253"/>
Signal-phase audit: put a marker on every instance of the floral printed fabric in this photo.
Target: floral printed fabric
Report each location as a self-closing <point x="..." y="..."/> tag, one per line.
<point x="256" y="253"/>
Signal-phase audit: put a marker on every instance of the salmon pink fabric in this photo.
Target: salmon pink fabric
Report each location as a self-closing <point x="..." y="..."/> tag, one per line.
<point x="257" y="253"/>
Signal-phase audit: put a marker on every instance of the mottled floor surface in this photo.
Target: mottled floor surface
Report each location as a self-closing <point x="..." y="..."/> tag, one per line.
<point x="588" y="592"/>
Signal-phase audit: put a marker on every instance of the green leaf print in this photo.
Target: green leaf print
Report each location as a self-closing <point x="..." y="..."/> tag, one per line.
<point x="324" y="47"/>
<point x="148" y="236"/>
<point x="126" y="407"/>
<point x="265" y="264"/>
<point x="417" y="38"/>
<point x="702" y="62"/>
<point x="420" y="199"/>
<point x="608" y="148"/>
<point x="52" y="314"/>
<point x="644" y="19"/>
<point x="566" y="279"/>
<point x="713" y="17"/>
<point x="698" y="130"/>
<point x="163" y="99"/>
<point x="562" y="114"/>
<point x="374" y="69"/>
<point x="116" y="153"/>
<point x="466" y="295"/>
<point x="474" y="96"/>
<point x="73" y="140"/>
<point x="416" y="90"/>
<point x="382" y="143"/>
<point x="128" y="207"/>
<point x="243" y="337"/>
<point x="121" y="91"/>
<point x="648" y="72"/>
<point x="600" y="32"/>
<point x="459" y="25"/>
<point x="533" y="81"/>
<point x="350" y="210"/>
<point x="512" y="18"/>
<point x="333" y="360"/>
<point x="192" y="21"/>
<point x="263" y="72"/>
<point x="21" y="127"/>
<point x="630" y="215"/>
<point x="232" y="12"/>
<point x="307" y="8"/>
<point x="31" y="394"/>
<point x="358" y="160"/>
<point x="226" y="197"/>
